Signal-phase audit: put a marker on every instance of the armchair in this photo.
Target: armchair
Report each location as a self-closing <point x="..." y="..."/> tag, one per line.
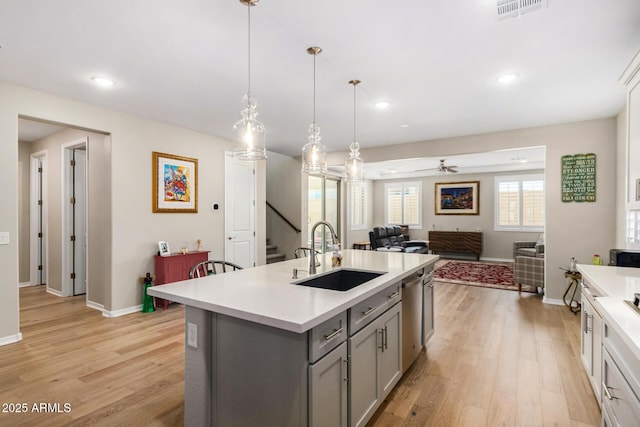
<point x="530" y="249"/>
<point x="529" y="271"/>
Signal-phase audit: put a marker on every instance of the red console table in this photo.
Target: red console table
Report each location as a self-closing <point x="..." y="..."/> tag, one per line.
<point x="173" y="268"/>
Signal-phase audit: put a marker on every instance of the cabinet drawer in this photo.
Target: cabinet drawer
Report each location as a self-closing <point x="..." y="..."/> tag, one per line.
<point x="624" y="357"/>
<point x="363" y="313"/>
<point x="618" y="398"/>
<point x="327" y="336"/>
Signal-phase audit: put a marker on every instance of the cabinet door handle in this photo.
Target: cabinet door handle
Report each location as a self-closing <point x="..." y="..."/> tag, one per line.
<point x="607" y="393"/>
<point x="381" y="332"/>
<point x="585" y="319"/>
<point x="345" y="377"/>
<point x="369" y="311"/>
<point x="589" y="318"/>
<point x="333" y="334"/>
<point x="395" y="294"/>
<point x="386" y="338"/>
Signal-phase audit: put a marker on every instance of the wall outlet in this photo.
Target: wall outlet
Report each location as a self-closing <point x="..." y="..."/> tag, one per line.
<point x="192" y="335"/>
<point x="4" y="238"/>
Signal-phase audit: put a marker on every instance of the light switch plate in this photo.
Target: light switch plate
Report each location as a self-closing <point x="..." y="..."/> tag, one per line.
<point x="4" y="237"/>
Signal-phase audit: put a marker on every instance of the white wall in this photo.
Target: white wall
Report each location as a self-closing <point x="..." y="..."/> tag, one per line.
<point x="572" y="229"/>
<point x="135" y="229"/>
<point x="24" y="181"/>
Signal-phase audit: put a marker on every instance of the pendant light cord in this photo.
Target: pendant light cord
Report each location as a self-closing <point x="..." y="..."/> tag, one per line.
<point x="249" y="48"/>
<point x="314" y="89"/>
<point x="354" y="113"/>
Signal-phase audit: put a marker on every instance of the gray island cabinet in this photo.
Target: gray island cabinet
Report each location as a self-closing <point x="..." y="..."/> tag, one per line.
<point x="262" y="350"/>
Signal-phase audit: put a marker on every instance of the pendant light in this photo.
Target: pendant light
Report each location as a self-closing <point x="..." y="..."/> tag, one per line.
<point x="354" y="166"/>
<point x="250" y="133"/>
<point x="314" y="153"/>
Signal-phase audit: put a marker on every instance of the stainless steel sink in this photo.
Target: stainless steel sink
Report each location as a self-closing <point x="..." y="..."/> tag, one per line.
<point x="339" y="280"/>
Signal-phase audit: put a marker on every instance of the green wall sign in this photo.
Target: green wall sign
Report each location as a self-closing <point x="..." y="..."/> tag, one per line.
<point x="579" y="178"/>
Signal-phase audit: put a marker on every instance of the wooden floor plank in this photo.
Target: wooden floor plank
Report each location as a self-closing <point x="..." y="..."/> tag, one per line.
<point x="497" y="358"/>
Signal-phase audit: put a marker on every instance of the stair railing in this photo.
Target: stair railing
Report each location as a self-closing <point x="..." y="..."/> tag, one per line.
<point x="284" y="218"/>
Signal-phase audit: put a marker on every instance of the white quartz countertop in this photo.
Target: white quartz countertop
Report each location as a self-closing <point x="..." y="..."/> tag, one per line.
<point x="266" y="294"/>
<point x="615" y="285"/>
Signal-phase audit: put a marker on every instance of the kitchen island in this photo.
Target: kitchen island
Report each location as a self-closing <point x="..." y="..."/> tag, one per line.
<point x="263" y="350"/>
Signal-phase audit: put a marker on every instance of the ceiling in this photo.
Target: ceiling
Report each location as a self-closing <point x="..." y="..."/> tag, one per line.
<point x="437" y="63"/>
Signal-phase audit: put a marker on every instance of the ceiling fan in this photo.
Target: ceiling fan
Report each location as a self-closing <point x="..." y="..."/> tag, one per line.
<point x="441" y="168"/>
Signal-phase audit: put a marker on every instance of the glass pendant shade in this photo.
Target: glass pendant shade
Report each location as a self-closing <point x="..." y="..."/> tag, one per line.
<point x="314" y="153"/>
<point x="354" y="165"/>
<point x="250" y="135"/>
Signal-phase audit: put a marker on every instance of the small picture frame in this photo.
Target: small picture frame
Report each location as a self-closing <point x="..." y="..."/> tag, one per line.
<point x="163" y="248"/>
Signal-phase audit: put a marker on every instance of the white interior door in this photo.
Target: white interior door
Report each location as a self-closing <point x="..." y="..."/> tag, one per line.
<point x="38" y="258"/>
<point x="240" y="212"/>
<point x="74" y="221"/>
<point x="80" y="222"/>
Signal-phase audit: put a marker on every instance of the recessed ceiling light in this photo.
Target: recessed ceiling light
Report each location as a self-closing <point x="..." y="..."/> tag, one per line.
<point x="507" y="78"/>
<point x="404" y="126"/>
<point x="381" y="105"/>
<point x="102" y="81"/>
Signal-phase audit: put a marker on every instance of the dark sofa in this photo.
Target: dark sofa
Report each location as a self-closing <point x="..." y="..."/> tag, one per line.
<point x="391" y="237"/>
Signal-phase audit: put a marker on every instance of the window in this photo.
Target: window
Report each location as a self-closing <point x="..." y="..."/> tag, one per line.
<point x="519" y="203"/>
<point x="358" y="205"/>
<point x="403" y="201"/>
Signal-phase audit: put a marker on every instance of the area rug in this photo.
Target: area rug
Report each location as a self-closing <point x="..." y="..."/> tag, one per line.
<point x="494" y="275"/>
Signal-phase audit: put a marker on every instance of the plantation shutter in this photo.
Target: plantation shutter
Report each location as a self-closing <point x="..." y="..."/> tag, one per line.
<point x="509" y="203"/>
<point x="532" y="203"/>
<point x="394" y="205"/>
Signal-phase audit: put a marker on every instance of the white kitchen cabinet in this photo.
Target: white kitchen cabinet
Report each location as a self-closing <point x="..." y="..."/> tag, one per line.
<point x="375" y="364"/>
<point x="631" y="79"/>
<point x="591" y="341"/>
<point x="328" y="389"/>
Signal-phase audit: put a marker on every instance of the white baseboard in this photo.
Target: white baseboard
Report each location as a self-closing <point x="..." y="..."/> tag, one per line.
<point x="25" y="284"/>
<point x="497" y="259"/>
<point x="54" y="292"/>
<point x="95" y="306"/>
<point x="552" y="301"/>
<point x="122" y="312"/>
<point x="11" y="339"/>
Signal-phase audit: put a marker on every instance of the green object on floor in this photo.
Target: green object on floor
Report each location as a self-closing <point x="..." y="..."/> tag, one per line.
<point x="147" y="300"/>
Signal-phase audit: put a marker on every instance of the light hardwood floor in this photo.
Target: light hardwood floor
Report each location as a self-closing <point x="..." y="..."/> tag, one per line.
<point x="497" y="358"/>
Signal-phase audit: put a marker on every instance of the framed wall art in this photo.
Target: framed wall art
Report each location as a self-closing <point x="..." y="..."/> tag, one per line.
<point x="457" y="198"/>
<point x="174" y="183"/>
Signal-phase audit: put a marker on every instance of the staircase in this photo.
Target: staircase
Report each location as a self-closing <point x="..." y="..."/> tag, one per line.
<point x="272" y="254"/>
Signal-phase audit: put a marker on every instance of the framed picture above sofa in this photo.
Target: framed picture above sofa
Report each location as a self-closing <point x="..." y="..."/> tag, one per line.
<point x="457" y="198"/>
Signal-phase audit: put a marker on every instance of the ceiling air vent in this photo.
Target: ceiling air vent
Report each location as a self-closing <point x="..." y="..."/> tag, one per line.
<point x="512" y="8"/>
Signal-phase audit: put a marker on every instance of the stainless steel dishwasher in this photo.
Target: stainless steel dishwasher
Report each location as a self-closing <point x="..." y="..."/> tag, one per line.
<point x="411" y="318"/>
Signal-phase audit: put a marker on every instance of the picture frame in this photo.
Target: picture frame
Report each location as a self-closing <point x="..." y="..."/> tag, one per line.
<point x="163" y="248"/>
<point x="457" y="198"/>
<point x="174" y="183"/>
